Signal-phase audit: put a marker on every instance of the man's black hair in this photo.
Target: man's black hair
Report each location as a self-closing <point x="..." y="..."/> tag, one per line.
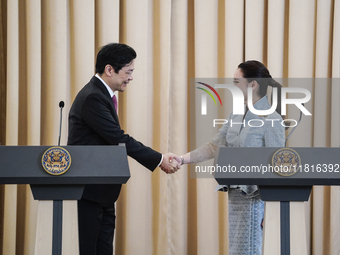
<point x="117" y="55"/>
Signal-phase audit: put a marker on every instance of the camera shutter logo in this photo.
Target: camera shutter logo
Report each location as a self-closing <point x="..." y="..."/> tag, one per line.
<point x="204" y="97"/>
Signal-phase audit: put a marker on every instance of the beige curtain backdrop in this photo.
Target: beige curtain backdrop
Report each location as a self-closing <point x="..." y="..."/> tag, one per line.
<point x="48" y="50"/>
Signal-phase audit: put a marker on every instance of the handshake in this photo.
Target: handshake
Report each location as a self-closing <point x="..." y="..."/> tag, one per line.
<point x="171" y="163"/>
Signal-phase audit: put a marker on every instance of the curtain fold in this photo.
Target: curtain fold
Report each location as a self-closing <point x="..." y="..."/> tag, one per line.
<point x="47" y="54"/>
<point x="3" y="70"/>
<point x="3" y="50"/>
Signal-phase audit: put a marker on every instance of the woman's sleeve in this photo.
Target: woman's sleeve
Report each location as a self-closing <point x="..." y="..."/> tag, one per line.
<point x="274" y="135"/>
<point x="207" y="151"/>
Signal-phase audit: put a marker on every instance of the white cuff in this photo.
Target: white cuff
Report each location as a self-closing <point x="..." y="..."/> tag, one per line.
<point x="161" y="161"/>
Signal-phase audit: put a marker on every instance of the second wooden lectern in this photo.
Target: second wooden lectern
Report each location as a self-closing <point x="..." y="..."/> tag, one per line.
<point x="293" y="182"/>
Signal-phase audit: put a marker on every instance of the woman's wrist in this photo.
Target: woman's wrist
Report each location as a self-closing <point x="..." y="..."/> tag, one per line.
<point x="182" y="160"/>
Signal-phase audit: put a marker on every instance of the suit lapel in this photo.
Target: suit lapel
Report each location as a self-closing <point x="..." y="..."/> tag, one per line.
<point x="103" y="89"/>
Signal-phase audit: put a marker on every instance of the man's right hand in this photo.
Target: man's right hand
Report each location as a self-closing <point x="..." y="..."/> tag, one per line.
<point x="171" y="163"/>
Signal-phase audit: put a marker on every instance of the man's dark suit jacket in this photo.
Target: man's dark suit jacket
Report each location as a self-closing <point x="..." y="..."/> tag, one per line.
<point x="93" y="121"/>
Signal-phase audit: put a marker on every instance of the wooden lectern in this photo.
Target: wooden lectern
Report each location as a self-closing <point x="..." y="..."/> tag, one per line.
<point x="251" y="166"/>
<point x="89" y="165"/>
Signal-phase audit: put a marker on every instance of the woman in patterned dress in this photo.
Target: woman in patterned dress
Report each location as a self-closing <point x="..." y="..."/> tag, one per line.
<point x="246" y="209"/>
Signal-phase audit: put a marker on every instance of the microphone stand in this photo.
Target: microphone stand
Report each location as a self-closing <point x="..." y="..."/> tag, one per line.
<point x="58" y="209"/>
<point x="61" y="105"/>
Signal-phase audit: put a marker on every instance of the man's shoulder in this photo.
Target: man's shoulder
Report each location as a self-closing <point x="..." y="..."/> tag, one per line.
<point x="91" y="89"/>
<point x="93" y="86"/>
<point x="94" y="83"/>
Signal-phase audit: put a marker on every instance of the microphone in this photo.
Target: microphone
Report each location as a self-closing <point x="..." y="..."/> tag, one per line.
<point x="294" y="127"/>
<point x="61" y="106"/>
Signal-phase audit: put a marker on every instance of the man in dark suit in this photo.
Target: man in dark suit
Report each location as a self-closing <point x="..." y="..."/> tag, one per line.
<point x="93" y="120"/>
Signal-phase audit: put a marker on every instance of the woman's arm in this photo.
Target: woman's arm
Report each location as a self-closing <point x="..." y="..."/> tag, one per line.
<point x="206" y="151"/>
<point x="203" y="153"/>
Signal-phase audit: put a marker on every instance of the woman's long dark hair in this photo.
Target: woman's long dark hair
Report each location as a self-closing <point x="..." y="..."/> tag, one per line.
<point x="255" y="70"/>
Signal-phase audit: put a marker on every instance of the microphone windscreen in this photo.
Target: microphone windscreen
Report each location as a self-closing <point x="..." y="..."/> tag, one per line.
<point x="61" y="104"/>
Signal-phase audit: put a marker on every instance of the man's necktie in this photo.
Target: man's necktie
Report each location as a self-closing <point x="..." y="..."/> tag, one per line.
<point x="115" y="103"/>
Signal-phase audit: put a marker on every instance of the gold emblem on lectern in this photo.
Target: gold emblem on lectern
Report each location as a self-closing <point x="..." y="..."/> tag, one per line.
<point x="286" y="162"/>
<point x="56" y="160"/>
